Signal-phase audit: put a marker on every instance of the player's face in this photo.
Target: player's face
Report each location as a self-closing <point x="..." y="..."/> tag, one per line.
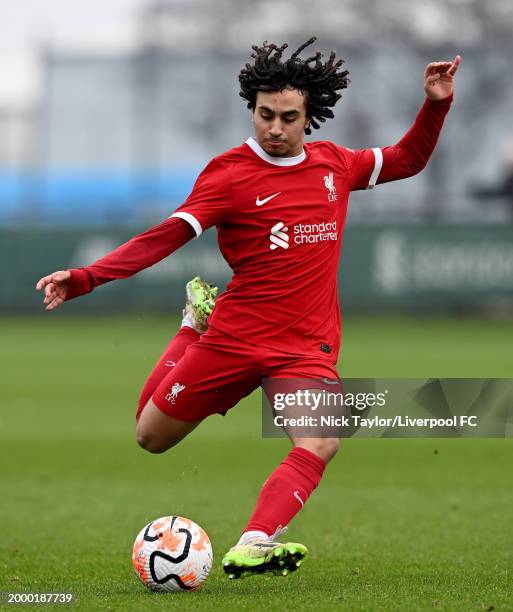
<point x="280" y="120"/>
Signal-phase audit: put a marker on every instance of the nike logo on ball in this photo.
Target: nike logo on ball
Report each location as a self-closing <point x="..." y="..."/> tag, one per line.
<point x="260" y="202"/>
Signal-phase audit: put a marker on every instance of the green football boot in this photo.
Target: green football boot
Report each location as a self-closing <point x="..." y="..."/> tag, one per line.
<point x="201" y="299"/>
<point x="264" y="556"/>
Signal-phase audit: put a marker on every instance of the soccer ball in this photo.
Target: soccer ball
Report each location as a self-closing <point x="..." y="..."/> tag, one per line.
<point x="172" y="553"/>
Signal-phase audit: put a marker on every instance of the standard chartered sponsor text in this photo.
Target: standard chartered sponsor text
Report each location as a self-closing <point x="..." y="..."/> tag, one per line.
<point x="315" y="232"/>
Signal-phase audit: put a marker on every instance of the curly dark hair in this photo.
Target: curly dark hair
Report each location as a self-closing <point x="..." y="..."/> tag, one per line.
<point x="319" y="80"/>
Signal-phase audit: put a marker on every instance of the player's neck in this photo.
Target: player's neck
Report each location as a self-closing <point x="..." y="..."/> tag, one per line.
<point x="272" y="159"/>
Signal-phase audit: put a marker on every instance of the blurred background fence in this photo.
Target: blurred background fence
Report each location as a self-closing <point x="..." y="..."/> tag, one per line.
<point x="112" y="137"/>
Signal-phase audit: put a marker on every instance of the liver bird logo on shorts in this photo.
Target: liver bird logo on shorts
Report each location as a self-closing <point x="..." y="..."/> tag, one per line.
<point x="329" y="183"/>
<point x="175" y="390"/>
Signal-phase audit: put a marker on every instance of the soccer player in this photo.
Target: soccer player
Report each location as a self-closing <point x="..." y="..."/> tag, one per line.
<point x="279" y="205"/>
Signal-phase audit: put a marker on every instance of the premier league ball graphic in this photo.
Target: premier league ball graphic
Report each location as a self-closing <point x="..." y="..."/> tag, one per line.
<point x="172" y="553"/>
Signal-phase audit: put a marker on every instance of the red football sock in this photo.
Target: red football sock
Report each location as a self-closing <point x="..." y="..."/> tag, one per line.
<point x="286" y="490"/>
<point x="170" y="357"/>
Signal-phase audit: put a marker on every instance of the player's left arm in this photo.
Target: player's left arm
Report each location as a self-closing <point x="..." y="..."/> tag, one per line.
<point x="411" y="154"/>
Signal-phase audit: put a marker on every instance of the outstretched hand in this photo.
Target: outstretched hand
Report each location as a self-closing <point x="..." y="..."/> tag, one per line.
<point x="439" y="78"/>
<point x="56" y="288"/>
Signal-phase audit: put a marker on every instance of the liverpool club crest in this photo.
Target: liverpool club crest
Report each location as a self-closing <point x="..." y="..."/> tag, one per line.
<point x="330" y="186"/>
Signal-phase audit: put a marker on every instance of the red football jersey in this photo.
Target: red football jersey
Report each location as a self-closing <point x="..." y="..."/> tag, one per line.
<point x="280" y="223"/>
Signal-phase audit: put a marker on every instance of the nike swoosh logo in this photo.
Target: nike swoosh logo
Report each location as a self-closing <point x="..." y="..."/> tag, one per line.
<point x="260" y="202"/>
<point x="296" y="495"/>
<point x="329" y="381"/>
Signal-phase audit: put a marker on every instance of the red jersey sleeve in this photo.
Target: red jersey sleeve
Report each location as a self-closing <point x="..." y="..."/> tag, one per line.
<point x="364" y="166"/>
<point x="141" y="252"/>
<point x="368" y="167"/>
<point x="210" y="200"/>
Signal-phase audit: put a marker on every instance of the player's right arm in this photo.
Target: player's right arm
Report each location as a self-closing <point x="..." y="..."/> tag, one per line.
<point x="142" y="251"/>
<point x="207" y="205"/>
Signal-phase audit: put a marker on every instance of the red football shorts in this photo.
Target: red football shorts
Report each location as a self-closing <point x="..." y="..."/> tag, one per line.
<point x="217" y="371"/>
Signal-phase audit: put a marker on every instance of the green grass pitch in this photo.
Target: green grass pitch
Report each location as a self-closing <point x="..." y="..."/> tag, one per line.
<point x="395" y="525"/>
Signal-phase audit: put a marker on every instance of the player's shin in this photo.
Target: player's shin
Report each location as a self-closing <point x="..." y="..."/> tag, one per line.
<point x="286" y="491"/>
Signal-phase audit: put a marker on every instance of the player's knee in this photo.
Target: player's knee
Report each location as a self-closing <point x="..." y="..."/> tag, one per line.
<point x="150" y="442"/>
<point x="325" y="448"/>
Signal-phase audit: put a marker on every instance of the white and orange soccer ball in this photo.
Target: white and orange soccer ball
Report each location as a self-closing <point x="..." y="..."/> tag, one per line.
<point x="172" y="553"/>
